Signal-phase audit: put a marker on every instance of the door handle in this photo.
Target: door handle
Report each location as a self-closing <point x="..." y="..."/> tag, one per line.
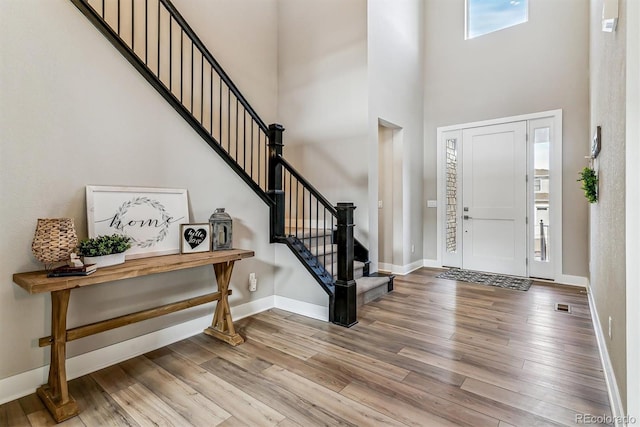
<point x="466" y="217"/>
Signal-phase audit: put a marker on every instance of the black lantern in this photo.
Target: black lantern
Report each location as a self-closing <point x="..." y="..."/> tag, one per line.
<point x="221" y="226"/>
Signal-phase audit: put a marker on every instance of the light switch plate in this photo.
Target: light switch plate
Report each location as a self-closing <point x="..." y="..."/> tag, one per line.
<point x="432" y="203"/>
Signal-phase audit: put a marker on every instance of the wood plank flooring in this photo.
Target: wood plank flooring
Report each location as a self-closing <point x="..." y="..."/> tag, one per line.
<point x="432" y="353"/>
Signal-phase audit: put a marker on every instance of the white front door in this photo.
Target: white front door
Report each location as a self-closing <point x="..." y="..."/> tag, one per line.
<point x="494" y="198"/>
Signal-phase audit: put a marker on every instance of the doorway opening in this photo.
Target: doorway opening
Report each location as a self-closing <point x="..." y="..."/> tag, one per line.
<point x="390" y="197"/>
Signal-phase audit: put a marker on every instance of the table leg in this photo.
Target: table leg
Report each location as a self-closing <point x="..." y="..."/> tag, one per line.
<point x="55" y="394"/>
<point x="222" y="325"/>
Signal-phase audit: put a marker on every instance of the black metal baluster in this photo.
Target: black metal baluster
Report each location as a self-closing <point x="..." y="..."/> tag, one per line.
<point x="305" y="215"/>
<point x="211" y="101"/>
<point x="158" y="39"/>
<point x="324" y="235"/>
<point x="297" y="205"/>
<point x="290" y="202"/>
<point x="103" y="9"/>
<point x="236" y="157"/>
<point x="253" y="125"/>
<point x="332" y="260"/>
<point x="201" y="89"/>
<point x="118" y="17"/>
<point x="317" y="228"/>
<point x="259" y="139"/>
<point x="244" y="140"/>
<point x="146" y="32"/>
<point x="310" y="214"/>
<point x="228" y="120"/>
<point x="170" y="54"/>
<point x="220" y="112"/>
<point x="181" y="63"/>
<point x="192" y="77"/>
<point x="133" y="33"/>
<point x="284" y="191"/>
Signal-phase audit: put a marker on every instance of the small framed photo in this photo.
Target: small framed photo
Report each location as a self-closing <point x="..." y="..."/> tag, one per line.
<point x="195" y="238"/>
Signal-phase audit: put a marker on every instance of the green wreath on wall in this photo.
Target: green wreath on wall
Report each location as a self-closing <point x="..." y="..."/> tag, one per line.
<point x="589" y="180"/>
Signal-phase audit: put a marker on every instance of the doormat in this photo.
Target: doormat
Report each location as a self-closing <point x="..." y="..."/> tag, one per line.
<point x="499" y="280"/>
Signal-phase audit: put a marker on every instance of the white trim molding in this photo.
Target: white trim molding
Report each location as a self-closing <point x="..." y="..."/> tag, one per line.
<point x="320" y="312"/>
<point x="556" y="189"/>
<point x="20" y="385"/>
<point x="26" y="383"/>
<point x="617" y="408"/>
<point x="431" y="263"/>
<point x="400" y="269"/>
<point x="565" y="279"/>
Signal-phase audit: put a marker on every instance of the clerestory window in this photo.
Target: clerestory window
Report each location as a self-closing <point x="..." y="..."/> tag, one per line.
<point x="486" y="16"/>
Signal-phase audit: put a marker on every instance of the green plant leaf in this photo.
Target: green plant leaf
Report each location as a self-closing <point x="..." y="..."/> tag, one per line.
<point x="589" y="184"/>
<point x="104" y="245"/>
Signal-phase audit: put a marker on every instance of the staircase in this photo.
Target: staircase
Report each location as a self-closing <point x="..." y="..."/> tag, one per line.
<point x="315" y="252"/>
<point x="154" y="37"/>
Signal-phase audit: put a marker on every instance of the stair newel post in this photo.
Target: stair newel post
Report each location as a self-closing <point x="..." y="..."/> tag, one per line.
<point x="344" y="310"/>
<point x="274" y="181"/>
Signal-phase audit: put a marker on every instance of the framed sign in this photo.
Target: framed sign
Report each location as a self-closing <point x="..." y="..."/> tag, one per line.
<point x="151" y="217"/>
<point x="195" y="238"/>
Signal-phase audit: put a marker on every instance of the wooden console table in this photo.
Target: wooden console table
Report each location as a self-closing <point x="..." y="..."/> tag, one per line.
<point x="55" y="393"/>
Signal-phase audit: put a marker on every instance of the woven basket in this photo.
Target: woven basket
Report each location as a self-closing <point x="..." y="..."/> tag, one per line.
<point x="54" y="240"/>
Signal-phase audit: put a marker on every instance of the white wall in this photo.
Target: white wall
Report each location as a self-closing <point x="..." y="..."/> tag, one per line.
<point x="342" y="66"/>
<point x="73" y="112"/>
<point x="322" y="93"/>
<point x="395" y="63"/>
<point x="537" y="66"/>
<point x="386" y="195"/>
<point x="607" y="222"/>
<point x="322" y="97"/>
<point x="295" y="283"/>
<point x="242" y="37"/>
<point x="633" y="207"/>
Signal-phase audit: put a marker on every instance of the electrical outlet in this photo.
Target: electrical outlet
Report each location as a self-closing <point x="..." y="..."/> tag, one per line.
<point x="253" y="282"/>
<point x="413" y="248"/>
<point x="610" y="324"/>
<point x="379" y="204"/>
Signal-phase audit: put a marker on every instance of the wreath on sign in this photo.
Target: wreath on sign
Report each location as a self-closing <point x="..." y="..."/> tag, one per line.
<point x="138" y="201"/>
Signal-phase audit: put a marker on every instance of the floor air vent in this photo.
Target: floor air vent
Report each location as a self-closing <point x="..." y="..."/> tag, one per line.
<point x="566" y="308"/>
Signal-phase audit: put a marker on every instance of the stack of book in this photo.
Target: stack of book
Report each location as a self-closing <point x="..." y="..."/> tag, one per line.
<point x="66" y="270"/>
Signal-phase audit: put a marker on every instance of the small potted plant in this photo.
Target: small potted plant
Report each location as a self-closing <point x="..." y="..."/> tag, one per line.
<point x="589" y="179"/>
<point x="104" y="250"/>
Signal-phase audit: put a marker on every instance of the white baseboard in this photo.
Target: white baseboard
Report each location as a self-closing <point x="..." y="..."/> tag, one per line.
<point x="617" y="409"/>
<point x="314" y="311"/>
<point x="252" y="307"/>
<point x="20" y="385"/>
<point x="566" y="279"/>
<point x="431" y="263"/>
<point x="400" y="269"/>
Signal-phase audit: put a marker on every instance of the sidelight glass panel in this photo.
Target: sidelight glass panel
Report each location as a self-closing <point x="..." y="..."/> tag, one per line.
<point x="541" y="193"/>
<point x="452" y="196"/>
